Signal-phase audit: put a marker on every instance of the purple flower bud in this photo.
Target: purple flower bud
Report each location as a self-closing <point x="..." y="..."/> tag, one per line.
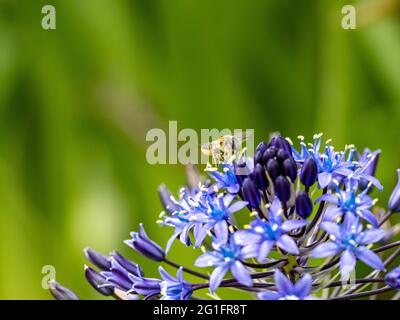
<point x="273" y="168"/>
<point x="142" y="244"/>
<point x="165" y="197"/>
<point x="118" y="276"/>
<point x="309" y="172"/>
<point x="241" y="172"/>
<point x="146" y="286"/>
<point x="251" y="193"/>
<point x="262" y="146"/>
<point x="258" y="158"/>
<point x="304" y="205"/>
<point x="370" y="169"/>
<point x="128" y="265"/>
<point x="260" y="177"/>
<point x="282" y="155"/>
<point x="394" y="201"/>
<point x="99" y="260"/>
<point x="61" y="293"/>
<point x="282" y="188"/>
<point x="289" y="169"/>
<point x="281" y="143"/>
<point x="98" y="281"/>
<point x="269" y="154"/>
<point x="392" y="279"/>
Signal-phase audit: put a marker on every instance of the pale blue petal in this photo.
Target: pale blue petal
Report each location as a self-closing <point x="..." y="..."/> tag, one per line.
<point x="264" y="251"/>
<point x="303" y="287"/>
<point x="331" y="198"/>
<point x="241" y="274"/>
<point x="370" y="258"/>
<point x="269" y="295"/>
<point x="283" y="284"/>
<point x="291" y="225"/>
<point x="331" y="228"/>
<point x="370" y="217"/>
<point x="171" y="241"/>
<point x="288" y="244"/>
<point x="372" y="236"/>
<point x="332" y="213"/>
<point x="206" y="260"/>
<point x="324" y="179"/>
<point x="324" y="250"/>
<point x="347" y="263"/>
<point x="221" y="231"/>
<point x="239" y="205"/>
<point x="165" y="275"/>
<point x="216" y="277"/>
<point x="250" y="251"/>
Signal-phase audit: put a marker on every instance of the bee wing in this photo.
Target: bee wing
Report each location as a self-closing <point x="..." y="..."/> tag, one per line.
<point x="206" y="148"/>
<point x="242" y="136"/>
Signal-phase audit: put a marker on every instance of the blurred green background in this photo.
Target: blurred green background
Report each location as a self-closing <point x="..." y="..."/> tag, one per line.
<point x="76" y="103"/>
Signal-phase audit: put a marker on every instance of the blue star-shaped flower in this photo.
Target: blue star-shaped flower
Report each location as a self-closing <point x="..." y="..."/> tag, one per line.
<point x="348" y="202"/>
<point x="350" y="241"/>
<point x="286" y="290"/>
<point x="174" y="288"/>
<point x="227" y="256"/>
<point x="262" y="235"/>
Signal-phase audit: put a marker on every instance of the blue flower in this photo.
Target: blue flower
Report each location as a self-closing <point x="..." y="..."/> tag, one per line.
<point x="183" y="219"/>
<point x="212" y="213"/>
<point x="392" y="279"/>
<point x="227" y="255"/>
<point x="60" y="292"/>
<point x="147" y="287"/>
<point x="331" y="164"/>
<point x="349" y="202"/>
<point x="217" y="217"/>
<point x="364" y="160"/>
<point x="119" y="277"/>
<point x="262" y="235"/>
<point x="225" y="179"/>
<point x="286" y="290"/>
<point x="351" y="242"/>
<point x="98" y="281"/>
<point x="394" y="201"/>
<point x="145" y="246"/>
<point x="362" y="172"/>
<point x="174" y="288"/>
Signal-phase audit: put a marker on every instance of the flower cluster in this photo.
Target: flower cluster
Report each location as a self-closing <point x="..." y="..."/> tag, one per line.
<point x="310" y="219"/>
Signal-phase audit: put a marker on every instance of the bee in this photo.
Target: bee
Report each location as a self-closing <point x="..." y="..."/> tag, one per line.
<point x="225" y="147"/>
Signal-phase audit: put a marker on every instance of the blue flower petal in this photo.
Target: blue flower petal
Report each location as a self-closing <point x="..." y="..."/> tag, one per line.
<point x="324" y="250"/>
<point x="288" y="244"/>
<point x="241" y="274"/>
<point x="216" y="277"/>
<point x="283" y="284"/>
<point x="370" y="258"/>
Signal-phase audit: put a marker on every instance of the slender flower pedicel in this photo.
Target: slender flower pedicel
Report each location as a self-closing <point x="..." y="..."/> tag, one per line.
<point x="285" y="224"/>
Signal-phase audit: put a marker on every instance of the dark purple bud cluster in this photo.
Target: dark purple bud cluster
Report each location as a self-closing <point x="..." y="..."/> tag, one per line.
<point x="274" y="165"/>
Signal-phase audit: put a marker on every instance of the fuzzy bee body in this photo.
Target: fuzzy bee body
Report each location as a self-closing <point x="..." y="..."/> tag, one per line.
<point x="225" y="147"/>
